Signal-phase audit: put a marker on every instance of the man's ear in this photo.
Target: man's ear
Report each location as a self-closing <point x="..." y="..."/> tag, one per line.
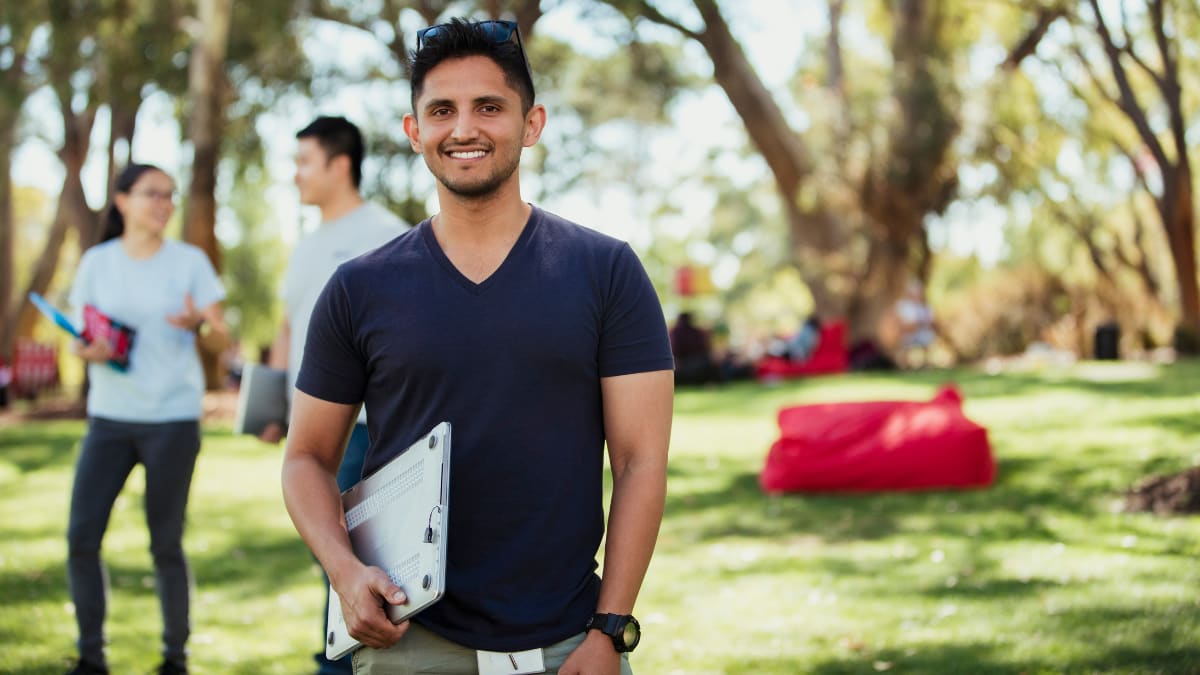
<point x="535" y="122"/>
<point x="413" y="132"/>
<point x="341" y="163"/>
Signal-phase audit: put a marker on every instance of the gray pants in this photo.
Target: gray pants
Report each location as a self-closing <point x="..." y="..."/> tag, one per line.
<point x="109" y="452"/>
<point x="422" y="652"/>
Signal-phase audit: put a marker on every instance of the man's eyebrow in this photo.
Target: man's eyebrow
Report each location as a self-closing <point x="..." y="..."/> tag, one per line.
<point x="438" y="103"/>
<point x="494" y="99"/>
<point x="491" y="99"/>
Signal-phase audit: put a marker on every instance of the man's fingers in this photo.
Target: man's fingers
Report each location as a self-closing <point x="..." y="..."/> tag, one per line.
<point x="366" y="617"/>
<point x="382" y="586"/>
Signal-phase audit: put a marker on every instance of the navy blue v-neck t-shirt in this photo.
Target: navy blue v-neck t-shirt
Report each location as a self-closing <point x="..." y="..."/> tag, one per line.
<point x="514" y="364"/>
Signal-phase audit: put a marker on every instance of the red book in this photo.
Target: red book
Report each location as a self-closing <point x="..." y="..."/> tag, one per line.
<point x="120" y="336"/>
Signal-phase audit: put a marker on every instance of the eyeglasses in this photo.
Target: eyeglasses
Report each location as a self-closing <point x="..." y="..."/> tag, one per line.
<point x="496" y="31"/>
<point x="156" y="195"/>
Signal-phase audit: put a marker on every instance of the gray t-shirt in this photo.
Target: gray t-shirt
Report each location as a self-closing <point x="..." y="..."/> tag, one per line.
<point x="317" y="256"/>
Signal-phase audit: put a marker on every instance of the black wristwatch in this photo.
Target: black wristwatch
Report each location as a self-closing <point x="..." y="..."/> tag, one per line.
<point x="623" y="629"/>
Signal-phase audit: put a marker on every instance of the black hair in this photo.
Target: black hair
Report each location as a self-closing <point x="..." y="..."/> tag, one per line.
<point x="338" y="136"/>
<point x="114" y="222"/>
<point x="461" y="38"/>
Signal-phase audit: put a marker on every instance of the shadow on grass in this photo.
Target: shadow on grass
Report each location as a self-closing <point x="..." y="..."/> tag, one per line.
<point x="984" y="659"/>
<point x="1148" y="642"/>
<point x="35" y="446"/>
<point x="259" y="563"/>
<point x="739" y="507"/>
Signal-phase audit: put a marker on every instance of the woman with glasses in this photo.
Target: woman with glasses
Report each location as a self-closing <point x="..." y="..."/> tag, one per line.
<point x="146" y="301"/>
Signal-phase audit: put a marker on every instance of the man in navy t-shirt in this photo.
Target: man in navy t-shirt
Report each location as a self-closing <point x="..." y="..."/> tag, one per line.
<point x="540" y="341"/>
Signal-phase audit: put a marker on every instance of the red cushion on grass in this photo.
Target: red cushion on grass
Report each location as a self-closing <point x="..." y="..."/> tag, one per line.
<point x="830" y="356"/>
<point x="879" y="445"/>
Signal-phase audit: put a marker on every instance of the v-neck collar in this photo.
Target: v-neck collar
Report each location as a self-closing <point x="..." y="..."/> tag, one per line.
<point x="431" y="242"/>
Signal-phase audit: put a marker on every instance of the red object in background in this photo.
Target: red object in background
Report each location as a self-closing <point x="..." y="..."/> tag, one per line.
<point x="34" y="368"/>
<point x="877" y="446"/>
<point x="685" y="281"/>
<point x="830" y="356"/>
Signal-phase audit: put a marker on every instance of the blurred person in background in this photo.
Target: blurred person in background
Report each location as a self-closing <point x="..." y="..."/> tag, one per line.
<point x="147" y="411"/>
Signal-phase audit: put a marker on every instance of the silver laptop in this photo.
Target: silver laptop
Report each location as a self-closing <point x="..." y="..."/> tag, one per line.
<point x="397" y="521"/>
<point x="262" y="399"/>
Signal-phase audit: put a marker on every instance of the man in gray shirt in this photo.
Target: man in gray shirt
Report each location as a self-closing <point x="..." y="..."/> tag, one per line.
<point x="329" y="158"/>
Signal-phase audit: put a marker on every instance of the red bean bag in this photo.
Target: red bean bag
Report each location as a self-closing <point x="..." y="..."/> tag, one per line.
<point x="830" y="356"/>
<point x="879" y="445"/>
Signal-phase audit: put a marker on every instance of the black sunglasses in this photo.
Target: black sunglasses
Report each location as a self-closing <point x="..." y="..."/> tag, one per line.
<point x="497" y="31"/>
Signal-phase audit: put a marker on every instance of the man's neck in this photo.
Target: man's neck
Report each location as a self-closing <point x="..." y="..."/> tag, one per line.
<point x="340" y="205"/>
<point x="477" y="234"/>
<point x="481" y="221"/>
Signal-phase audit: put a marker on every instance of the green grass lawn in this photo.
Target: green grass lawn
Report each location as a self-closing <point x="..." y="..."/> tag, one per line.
<point x="1039" y="574"/>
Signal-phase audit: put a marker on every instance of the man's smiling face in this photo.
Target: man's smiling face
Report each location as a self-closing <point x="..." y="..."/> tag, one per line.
<point x="469" y="126"/>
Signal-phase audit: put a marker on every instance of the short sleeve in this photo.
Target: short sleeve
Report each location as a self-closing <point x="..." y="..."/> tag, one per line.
<point x="333" y="367"/>
<point x="633" y="336"/>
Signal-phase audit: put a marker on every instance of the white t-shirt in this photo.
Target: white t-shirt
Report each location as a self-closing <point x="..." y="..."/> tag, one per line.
<point x="314" y="260"/>
<point x="164" y="381"/>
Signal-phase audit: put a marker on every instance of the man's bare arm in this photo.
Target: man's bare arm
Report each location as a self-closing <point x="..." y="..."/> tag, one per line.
<point x="637" y="426"/>
<point x="316" y="443"/>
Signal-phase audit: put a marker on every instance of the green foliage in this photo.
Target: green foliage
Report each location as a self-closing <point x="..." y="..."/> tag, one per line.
<point x="253" y="266"/>
<point x="1038" y="574"/>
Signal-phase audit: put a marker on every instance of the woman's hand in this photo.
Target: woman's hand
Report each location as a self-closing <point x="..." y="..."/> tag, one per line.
<point x="208" y="324"/>
<point x="189" y="318"/>
<point x="96" y="351"/>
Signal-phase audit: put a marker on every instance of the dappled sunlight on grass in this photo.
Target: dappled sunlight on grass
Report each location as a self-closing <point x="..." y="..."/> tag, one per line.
<point x="1038" y="574"/>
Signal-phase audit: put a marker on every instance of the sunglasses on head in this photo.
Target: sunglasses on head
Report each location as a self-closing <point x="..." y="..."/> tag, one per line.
<point x="496" y="31"/>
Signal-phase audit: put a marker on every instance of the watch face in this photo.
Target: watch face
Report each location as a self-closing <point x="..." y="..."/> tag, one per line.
<point x="631" y="634"/>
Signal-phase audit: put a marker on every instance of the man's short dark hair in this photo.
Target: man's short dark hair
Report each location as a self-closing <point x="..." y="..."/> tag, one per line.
<point x="338" y="136"/>
<point x="460" y="38"/>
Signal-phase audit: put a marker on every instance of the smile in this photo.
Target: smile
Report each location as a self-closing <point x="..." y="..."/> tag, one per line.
<point x="473" y="154"/>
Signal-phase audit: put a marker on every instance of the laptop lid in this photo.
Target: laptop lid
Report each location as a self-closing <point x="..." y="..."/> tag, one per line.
<point x="397" y="519"/>
<point x="262" y="399"/>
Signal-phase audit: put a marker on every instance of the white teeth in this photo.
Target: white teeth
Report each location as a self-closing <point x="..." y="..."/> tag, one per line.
<point x="474" y="154"/>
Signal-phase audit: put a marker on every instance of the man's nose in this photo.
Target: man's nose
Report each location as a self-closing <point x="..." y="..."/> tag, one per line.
<point x="465" y="127"/>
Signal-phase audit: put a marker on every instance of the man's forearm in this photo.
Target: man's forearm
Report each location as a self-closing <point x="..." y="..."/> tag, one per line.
<point x="315" y="506"/>
<point x="635" y="514"/>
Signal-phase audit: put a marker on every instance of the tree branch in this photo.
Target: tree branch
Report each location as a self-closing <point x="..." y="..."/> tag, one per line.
<point x="1169" y="85"/>
<point x="1128" y="101"/>
<point x="1028" y="44"/>
<point x="651" y="12"/>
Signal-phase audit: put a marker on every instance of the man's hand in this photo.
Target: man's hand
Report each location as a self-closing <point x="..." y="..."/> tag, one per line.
<point x="271" y="433"/>
<point x="363" y="607"/>
<point x="595" y="656"/>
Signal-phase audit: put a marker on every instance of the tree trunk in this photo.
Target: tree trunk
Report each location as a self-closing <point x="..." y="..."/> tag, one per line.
<point x="7" y="236"/>
<point x="207" y="91"/>
<point x="1176" y="205"/>
<point x="122" y="123"/>
<point x="1179" y="219"/>
<point x="815" y="234"/>
<point x="72" y="212"/>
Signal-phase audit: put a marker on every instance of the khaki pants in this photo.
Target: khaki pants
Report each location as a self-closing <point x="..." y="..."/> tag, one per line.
<point x="421" y="652"/>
